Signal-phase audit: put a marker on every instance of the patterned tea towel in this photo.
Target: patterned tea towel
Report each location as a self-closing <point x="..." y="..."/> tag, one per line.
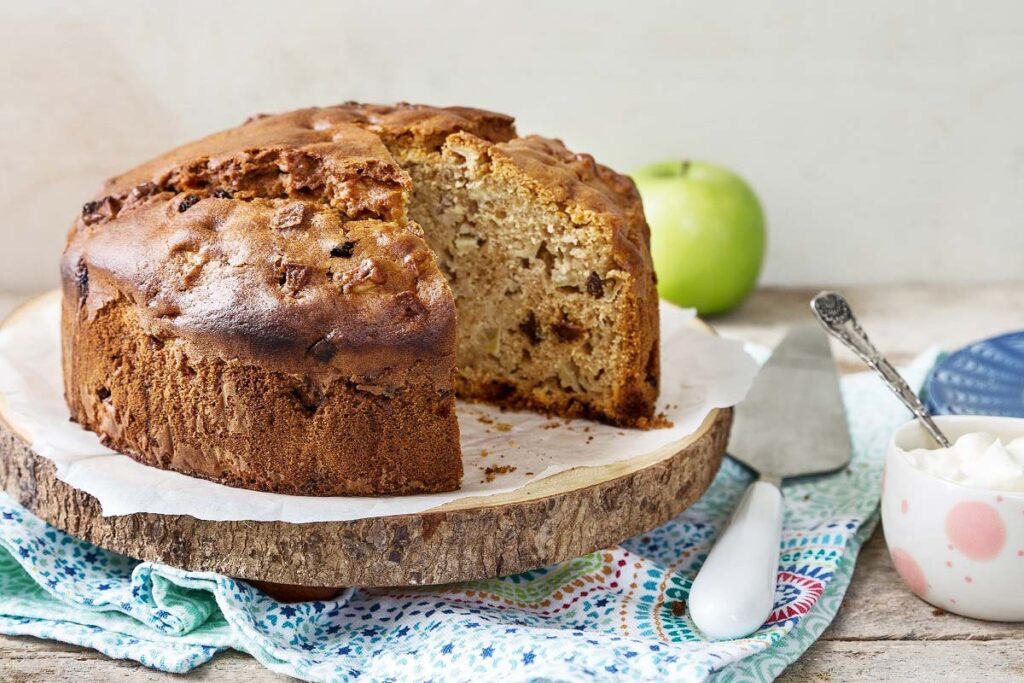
<point x="616" y="614"/>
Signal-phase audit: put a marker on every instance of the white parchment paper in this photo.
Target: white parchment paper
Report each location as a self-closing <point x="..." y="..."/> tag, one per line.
<point x="700" y="372"/>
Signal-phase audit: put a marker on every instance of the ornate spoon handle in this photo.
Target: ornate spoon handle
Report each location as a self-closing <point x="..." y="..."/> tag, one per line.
<point x="834" y="313"/>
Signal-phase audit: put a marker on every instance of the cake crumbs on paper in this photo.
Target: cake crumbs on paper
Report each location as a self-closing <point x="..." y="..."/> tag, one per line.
<point x="529" y="474"/>
<point x="492" y="471"/>
<point x="483" y="419"/>
<point x="484" y="453"/>
<point x="551" y="425"/>
<point x="503" y="426"/>
<point x="659" y="421"/>
<point x="513" y="443"/>
<point x="589" y="439"/>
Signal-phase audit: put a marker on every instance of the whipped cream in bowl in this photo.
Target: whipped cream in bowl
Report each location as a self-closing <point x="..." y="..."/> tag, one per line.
<point x="976" y="459"/>
<point x="954" y="517"/>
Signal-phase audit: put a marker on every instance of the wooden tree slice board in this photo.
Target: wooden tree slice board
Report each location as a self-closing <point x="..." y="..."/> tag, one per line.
<point x="553" y="519"/>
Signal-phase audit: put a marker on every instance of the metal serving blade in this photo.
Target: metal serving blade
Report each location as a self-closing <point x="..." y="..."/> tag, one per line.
<point x="792" y="422"/>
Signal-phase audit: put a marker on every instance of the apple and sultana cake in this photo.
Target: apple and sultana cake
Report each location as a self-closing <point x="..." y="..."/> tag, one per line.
<point x="294" y="304"/>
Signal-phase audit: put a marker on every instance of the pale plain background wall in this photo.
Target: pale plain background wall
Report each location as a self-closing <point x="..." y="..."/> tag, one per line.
<point x="884" y="138"/>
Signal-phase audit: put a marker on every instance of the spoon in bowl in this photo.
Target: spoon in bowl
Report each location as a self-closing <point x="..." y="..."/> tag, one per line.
<point x="836" y="316"/>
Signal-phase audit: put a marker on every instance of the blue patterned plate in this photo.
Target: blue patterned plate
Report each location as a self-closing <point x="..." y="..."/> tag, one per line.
<point x="985" y="378"/>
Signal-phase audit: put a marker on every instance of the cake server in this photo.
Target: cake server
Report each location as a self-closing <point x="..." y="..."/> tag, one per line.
<point x="791" y="424"/>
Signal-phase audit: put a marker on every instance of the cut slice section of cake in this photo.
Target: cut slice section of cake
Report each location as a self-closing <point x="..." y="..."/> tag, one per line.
<point x="546" y="253"/>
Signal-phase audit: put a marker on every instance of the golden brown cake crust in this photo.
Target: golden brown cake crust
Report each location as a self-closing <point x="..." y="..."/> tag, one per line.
<point x="286" y="284"/>
<point x="338" y="153"/>
<point x="268" y="277"/>
<point x="243" y="425"/>
<point x="266" y="344"/>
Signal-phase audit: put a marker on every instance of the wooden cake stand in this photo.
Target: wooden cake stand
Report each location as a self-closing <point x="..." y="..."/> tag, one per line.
<point x="553" y="519"/>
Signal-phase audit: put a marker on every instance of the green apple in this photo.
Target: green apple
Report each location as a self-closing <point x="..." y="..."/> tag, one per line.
<point x="707" y="233"/>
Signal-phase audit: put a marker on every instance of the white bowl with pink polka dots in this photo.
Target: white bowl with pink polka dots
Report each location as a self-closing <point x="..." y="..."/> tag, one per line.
<point x="958" y="547"/>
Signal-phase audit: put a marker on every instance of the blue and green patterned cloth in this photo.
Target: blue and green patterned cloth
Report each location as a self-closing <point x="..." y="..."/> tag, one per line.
<point x="616" y="614"/>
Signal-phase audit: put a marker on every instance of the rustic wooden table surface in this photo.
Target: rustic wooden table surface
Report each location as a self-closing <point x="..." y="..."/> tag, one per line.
<point x="882" y="632"/>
